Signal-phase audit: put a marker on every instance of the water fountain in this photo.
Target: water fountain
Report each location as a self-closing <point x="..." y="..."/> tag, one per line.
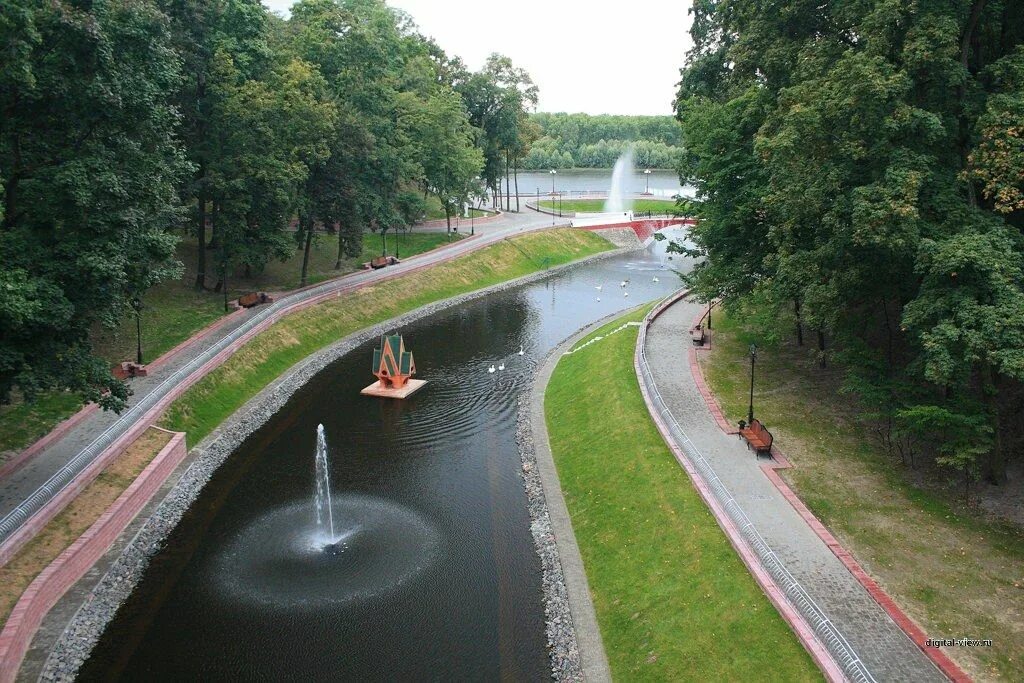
<point x="616" y="207"/>
<point x="617" y="201"/>
<point x="322" y="498"/>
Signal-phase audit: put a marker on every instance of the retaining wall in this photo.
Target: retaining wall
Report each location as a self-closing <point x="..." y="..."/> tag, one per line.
<point x="47" y="588"/>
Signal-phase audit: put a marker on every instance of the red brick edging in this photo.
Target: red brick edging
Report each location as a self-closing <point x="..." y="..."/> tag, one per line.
<point x="913" y="631"/>
<point x="48" y="587"/>
<point x="797" y="623"/>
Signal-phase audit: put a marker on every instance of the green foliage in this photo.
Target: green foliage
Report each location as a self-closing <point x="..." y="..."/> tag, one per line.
<point x="90" y="172"/>
<point x="860" y="164"/>
<point x="585" y="141"/>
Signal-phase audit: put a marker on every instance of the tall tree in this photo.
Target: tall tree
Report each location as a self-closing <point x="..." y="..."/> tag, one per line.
<point x="89" y="170"/>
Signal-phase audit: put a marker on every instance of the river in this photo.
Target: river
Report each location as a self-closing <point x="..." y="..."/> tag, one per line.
<point x="436" y="576"/>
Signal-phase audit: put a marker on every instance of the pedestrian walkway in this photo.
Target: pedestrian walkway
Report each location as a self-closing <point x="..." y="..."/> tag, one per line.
<point x="21" y="494"/>
<point x="885" y="651"/>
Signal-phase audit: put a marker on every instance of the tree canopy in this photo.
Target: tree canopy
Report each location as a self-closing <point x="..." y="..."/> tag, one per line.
<point x="128" y="124"/>
<point x="859" y="165"/>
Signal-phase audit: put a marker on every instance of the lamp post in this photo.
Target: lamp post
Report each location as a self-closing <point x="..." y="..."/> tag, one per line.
<point x="553" y="174"/>
<point x="137" y="305"/>
<point x="753" y="357"/>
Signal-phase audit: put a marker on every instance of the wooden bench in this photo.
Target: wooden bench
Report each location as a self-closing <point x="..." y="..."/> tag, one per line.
<point x="697" y="335"/>
<point x="380" y="262"/>
<point x="254" y="299"/>
<point x="757" y="437"/>
<point x="128" y="369"/>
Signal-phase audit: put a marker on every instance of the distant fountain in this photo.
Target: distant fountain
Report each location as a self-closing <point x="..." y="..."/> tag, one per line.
<point x="324" y="513"/>
<point x="617" y="195"/>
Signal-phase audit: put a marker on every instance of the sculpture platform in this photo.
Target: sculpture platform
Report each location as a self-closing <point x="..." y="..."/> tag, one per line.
<point x="411" y="387"/>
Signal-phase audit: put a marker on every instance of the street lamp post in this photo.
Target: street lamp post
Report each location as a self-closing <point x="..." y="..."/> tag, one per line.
<point x="137" y="305"/>
<point x="553" y="174"/>
<point x="647" y="173"/>
<point x="753" y="357"/>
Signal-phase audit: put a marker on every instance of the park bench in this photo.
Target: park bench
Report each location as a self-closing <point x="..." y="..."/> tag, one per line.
<point x="254" y="299"/>
<point x="128" y="369"/>
<point x="756" y="436"/>
<point x="697" y="335"/>
<point x="380" y="262"/>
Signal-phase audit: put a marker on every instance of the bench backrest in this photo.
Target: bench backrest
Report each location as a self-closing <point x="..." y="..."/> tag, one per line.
<point x="759" y="429"/>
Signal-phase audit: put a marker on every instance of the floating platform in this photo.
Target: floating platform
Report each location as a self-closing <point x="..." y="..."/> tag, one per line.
<point x="411" y="387"/>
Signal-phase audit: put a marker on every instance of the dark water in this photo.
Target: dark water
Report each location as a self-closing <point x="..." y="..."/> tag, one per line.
<point x="435" y="576"/>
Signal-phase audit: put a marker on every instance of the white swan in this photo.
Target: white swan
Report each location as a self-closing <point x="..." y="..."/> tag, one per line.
<point x="622" y="284"/>
<point x="625" y="294"/>
<point x="598" y="288"/>
<point x="598" y="298"/>
<point x="502" y="366"/>
<point x="655" y="279"/>
<point x="491" y="369"/>
<point x="520" y="349"/>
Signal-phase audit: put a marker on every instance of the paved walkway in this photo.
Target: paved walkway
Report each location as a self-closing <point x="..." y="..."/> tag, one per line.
<point x="17" y="486"/>
<point x="884" y="649"/>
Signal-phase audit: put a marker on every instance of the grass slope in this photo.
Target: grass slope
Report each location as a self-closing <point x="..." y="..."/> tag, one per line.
<point x="597" y="205"/>
<point x="954" y="573"/>
<point x="271" y="353"/>
<point x="673" y="599"/>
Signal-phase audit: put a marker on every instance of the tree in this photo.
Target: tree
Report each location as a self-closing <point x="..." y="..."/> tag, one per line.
<point x="451" y="161"/>
<point x="89" y="170"/>
<point x="859" y="166"/>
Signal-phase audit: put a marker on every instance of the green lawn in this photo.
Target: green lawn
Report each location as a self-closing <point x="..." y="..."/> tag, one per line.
<point x="597" y="205"/>
<point x="22" y="423"/>
<point x="956" y="573"/>
<point x="673" y="599"/>
<point x="271" y="353"/>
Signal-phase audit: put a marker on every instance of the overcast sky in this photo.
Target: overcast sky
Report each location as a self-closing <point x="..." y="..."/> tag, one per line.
<point x="582" y="58"/>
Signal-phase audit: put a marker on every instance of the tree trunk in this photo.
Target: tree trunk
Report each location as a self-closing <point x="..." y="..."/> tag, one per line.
<point x="341" y="251"/>
<point x="995" y="463"/>
<point x="201" y="229"/>
<point x="821" y="348"/>
<point x="515" y="174"/>
<point x="508" y="189"/>
<point x="384" y="242"/>
<point x="214" y="224"/>
<point x="448" y="220"/>
<point x="799" y="323"/>
<point x="305" y="254"/>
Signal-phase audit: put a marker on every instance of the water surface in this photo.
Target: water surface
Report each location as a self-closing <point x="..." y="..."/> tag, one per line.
<point x="435" y="575"/>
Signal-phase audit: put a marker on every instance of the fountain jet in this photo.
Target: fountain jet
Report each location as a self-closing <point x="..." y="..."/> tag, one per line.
<point x="621" y="175"/>
<point x="324" y="514"/>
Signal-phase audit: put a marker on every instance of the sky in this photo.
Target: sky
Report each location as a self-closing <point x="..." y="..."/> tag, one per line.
<point x="582" y="58"/>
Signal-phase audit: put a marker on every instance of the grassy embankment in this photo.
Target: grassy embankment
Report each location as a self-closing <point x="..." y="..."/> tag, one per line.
<point x="673" y="599"/>
<point x="956" y="574"/>
<point x="270" y="354"/>
<point x="174" y="311"/>
<point x="597" y="205"/>
<point x="79" y="515"/>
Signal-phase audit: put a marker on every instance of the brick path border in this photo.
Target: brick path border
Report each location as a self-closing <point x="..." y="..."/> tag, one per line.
<point x="948" y="667"/>
<point x="68" y="567"/>
<point x="829" y="667"/>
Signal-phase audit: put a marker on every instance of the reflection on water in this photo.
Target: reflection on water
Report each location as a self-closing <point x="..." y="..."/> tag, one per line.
<point x="435" y="575"/>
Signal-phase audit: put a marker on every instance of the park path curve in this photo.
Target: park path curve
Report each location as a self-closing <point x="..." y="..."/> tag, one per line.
<point x="49" y="473"/>
<point x="885" y="652"/>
